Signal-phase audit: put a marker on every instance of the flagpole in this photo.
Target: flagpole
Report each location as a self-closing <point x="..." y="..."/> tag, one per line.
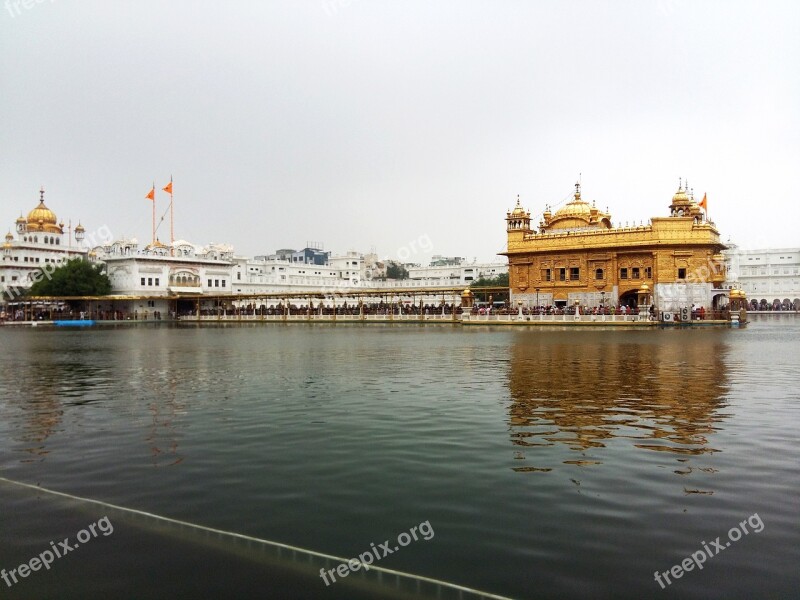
<point x="154" y="214"/>
<point x="171" y="221"/>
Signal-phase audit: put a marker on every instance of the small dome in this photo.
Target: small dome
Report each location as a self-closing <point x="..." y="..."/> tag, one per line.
<point x="157" y="244"/>
<point x="518" y="210"/>
<point x="680" y="197"/>
<point x="9" y="237"/>
<point x="79" y="229"/>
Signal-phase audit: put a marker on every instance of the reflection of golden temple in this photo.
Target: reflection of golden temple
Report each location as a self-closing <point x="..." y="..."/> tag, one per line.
<point x="584" y="393"/>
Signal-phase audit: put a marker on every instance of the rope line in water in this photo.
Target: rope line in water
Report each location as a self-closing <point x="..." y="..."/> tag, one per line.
<point x="250" y="539"/>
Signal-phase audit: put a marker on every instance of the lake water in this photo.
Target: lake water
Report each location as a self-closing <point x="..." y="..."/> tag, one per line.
<point x="545" y="463"/>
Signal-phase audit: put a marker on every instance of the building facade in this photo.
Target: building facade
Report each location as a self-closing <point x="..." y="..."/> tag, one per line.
<point x="770" y="277"/>
<point x="456" y="273"/>
<point x="577" y="256"/>
<point x="39" y="244"/>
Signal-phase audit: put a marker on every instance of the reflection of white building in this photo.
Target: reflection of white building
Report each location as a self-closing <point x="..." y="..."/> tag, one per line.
<point x="770" y="277"/>
<point x="39" y="245"/>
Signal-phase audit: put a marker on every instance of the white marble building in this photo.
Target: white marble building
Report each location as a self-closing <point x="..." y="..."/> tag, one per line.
<point x="769" y="276"/>
<point x="39" y="244"/>
<point x="457" y="273"/>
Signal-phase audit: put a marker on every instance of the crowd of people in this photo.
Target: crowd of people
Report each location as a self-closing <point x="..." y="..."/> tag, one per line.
<point x="354" y="309"/>
<point x="345" y="309"/>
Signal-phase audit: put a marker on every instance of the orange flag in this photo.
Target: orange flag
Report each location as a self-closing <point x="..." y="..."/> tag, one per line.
<point x="151" y="195"/>
<point x="704" y="203"/>
<point x="168" y="188"/>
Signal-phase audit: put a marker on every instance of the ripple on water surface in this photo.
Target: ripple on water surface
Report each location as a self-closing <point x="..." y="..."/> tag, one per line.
<point x="549" y="463"/>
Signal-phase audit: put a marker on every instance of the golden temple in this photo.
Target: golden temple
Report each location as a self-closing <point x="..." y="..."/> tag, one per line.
<point x="577" y="256"/>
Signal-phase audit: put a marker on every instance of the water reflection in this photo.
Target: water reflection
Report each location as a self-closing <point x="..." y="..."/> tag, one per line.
<point x="662" y="391"/>
<point x="155" y="375"/>
<point x="63" y="382"/>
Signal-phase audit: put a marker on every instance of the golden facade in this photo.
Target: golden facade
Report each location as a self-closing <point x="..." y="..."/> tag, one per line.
<point x="577" y="256"/>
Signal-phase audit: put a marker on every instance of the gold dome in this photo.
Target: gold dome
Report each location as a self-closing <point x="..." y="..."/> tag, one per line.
<point x="9" y="237"/>
<point x="574" y="208"/>
<point x="680" y="197"/>
<point x="157" y="244"/>
<point x="42" y="218"/>
<point x="576" y="213"/>
<point x="518" y="211"/>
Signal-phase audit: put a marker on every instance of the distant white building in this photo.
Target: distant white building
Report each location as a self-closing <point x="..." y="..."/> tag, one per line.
<point x="457" y="273"/>
<point x="157" y="279"/>
<point x="272" y="274"/>
<point x="351" y="266"/>
<point x="37" y="247"/>
<point x="770" y="277"/>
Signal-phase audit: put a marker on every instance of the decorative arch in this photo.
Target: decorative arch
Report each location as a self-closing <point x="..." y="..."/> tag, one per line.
<point x="629" y="298"/>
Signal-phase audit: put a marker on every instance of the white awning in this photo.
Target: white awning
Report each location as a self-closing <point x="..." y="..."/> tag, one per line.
<point x="185" y="290"/>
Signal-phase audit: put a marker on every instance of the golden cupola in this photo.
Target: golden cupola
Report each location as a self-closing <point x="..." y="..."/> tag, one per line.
<point x="684" y="204"/>
<point x="42" y="218"/>
<point x="577" y="214"/>
<point x="681" y="202"/>
<point x="518" y="219"/>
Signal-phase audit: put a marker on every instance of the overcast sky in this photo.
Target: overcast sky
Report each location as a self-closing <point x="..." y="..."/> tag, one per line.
<point x="388" y="124"/>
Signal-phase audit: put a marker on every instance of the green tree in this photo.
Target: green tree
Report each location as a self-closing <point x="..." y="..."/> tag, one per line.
<point x="76" y="277"/>
<point x="396" y="271"/>
<point x="499" y="281"/>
